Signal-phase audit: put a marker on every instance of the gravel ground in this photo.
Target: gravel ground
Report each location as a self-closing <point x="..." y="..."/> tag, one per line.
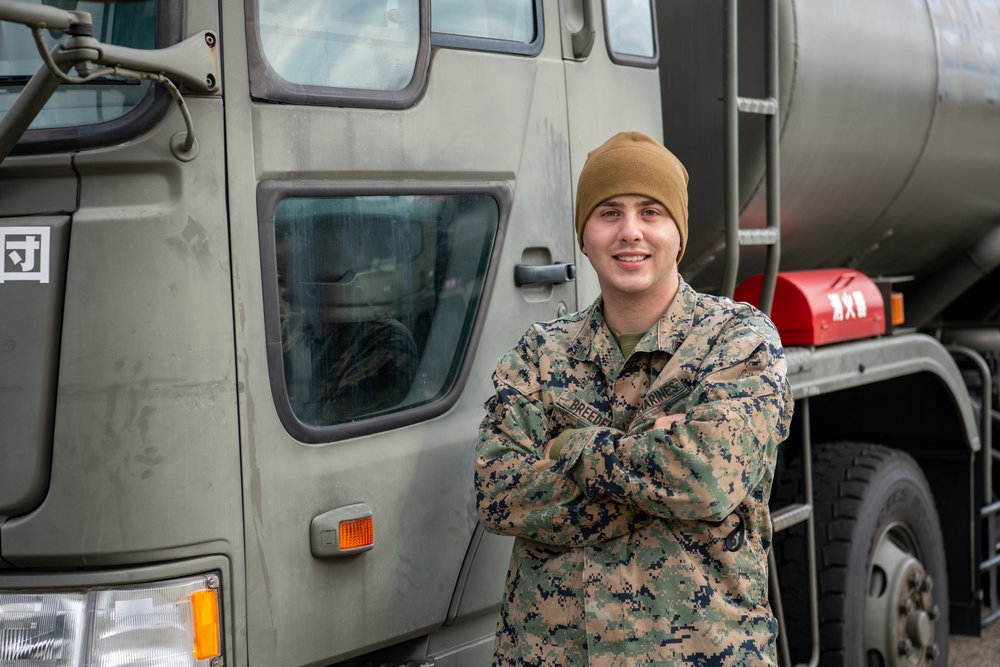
<point x="973" y="652"/>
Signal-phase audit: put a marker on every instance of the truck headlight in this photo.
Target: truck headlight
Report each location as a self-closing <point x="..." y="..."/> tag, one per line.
<point x="169" y="623"/>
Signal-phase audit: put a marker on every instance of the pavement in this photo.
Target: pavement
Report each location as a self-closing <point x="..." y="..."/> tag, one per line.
<point x="976" y="652"/>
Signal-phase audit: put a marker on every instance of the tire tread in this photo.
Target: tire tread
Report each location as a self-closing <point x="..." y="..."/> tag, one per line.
<point x="842" y="476"/>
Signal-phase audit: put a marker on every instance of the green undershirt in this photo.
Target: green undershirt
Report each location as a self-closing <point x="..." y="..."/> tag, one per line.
<point x="626" y="342"/>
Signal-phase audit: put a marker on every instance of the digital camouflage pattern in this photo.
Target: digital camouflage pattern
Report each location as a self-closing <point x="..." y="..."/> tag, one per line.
<point x="637" y="546"/>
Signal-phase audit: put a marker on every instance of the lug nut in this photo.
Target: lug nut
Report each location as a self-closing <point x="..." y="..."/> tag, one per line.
<point x="934" y="613"/>
<point x="906" y="647"/>
<point x="933" y="651"/>
<point x="906" y="606"/>
<point x="927" y="584"/>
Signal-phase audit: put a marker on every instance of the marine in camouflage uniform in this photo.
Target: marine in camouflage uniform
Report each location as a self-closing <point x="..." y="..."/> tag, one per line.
<point x="637" y="544"/>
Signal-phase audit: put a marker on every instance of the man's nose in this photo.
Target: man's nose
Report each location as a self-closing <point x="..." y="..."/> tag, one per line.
<point x="630" y="228"/>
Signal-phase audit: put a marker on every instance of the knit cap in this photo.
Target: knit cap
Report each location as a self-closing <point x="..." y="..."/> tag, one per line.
<point x="633" y="163"/>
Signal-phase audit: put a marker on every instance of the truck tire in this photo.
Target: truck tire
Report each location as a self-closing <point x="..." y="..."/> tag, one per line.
<point x="883" y="588"/>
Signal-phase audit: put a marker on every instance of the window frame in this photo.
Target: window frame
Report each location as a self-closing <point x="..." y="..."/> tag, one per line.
<point x="140" y="120"/>
<point x="627" y="59"/>
<point x="467" y="42"/>
<point x="270" y="193"/>
<point x="267" y="86"/>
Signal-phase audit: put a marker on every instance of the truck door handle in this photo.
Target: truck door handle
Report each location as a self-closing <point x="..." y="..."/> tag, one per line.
<point x="583" y="39"/>
<point x="534" y="274"/>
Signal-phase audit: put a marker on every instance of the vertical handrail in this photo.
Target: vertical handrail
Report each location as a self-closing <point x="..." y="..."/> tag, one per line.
<point x="989" y="567"/>
<point x="802" y="407"/>
<point x="990" y="509"/>
<point x="773" y="163"/>
<point x="733" y="104"/>
<point x="732" y="151"/>
<point x="784" y="654"/>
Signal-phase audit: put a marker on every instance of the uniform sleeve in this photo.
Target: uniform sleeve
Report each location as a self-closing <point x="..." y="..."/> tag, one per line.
<point x="519" y="491"/>
<point x="707" y="463"/>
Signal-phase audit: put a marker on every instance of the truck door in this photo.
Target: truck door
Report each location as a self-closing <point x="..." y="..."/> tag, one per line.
<point x="389" y="165"/>
<point x="611" y="53"/>
<point x="117" y="378"/>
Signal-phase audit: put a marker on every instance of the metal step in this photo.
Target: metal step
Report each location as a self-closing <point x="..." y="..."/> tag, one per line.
<point x="766" y="236"/>
<point x="764" y="107"/>
<point x="789" y="516"/>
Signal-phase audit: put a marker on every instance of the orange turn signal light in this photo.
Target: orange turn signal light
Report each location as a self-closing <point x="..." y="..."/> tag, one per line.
<point x="205" y="605"/>
<point x="897" y="309"/>
<point x="357" y="533"/>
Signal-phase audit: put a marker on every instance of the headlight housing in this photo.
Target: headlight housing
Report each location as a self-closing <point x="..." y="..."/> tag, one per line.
<point x="172" y="623"/>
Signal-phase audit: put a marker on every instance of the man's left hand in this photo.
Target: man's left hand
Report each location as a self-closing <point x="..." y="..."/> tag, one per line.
<point x="667" y="421"/>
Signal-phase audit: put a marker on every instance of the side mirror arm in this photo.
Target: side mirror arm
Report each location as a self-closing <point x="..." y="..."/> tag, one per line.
<point x="193" y="63"/>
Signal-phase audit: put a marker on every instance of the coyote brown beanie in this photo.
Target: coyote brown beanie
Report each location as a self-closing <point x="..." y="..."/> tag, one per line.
<point x="633" y="163"/>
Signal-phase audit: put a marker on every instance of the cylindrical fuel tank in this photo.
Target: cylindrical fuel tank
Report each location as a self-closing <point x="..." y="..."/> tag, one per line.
<point x="890" y="130"/>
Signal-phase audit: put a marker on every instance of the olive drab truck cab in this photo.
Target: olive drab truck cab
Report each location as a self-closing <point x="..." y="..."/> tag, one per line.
<point x="260" y="257"/>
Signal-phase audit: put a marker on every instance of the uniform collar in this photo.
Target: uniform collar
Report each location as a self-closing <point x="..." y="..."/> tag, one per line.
<point x="596" y="344"/>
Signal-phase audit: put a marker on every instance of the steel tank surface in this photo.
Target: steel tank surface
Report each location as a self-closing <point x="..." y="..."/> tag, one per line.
<point x="890" y="141"/>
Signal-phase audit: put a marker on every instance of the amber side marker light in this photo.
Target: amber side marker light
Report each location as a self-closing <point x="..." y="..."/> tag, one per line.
<point x="357" y="533"/>
<point x="897" y="309"/>
<point x="205" y="605"/>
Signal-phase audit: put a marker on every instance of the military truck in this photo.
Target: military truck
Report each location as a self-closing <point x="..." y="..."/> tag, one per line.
<point x="260" y="257"/>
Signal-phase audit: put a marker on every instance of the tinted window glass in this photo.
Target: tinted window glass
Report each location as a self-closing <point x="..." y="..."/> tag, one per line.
<point x="509" y="20"/>
<point x="130" y="24"/>
<point x="630" y="27"/>
<point x="377" y="299"/>
<point x="359" y="44"/>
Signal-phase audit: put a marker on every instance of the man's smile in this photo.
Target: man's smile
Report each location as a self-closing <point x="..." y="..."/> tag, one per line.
<point x="631" y="257"/>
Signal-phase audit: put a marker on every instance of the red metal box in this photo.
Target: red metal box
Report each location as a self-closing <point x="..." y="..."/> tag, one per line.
<point x="821" y="307"/>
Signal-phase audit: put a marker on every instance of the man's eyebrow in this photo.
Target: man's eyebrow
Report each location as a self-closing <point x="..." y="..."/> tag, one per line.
<point x="614" y="203"/>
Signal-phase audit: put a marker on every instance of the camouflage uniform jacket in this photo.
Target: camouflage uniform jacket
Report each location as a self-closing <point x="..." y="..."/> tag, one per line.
<point x="637" y="546"/>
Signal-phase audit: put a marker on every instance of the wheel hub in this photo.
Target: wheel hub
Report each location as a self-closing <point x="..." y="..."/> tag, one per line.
<point x="899" y="609"/>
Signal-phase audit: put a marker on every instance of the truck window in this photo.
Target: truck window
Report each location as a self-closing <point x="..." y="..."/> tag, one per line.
<point x="630" y="35"/>
<point x="369" y="52"/>
<point x="376" y="300"/>
<point x="130" y="24"/>
<point x="504" y="20"/>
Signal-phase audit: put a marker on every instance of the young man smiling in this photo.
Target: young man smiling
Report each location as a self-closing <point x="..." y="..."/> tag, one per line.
<point x="630" y="448"/>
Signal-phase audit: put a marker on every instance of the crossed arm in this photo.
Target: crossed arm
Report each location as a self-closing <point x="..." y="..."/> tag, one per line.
<point x="698" y="463"/>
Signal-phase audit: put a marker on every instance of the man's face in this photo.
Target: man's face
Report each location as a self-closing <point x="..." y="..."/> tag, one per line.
<point x="633" y="244"/>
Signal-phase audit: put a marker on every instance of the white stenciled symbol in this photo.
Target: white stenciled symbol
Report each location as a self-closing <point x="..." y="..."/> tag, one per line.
<point x="25" y="254"/>
<point x="838" y="309"/>
<point x="849" y="313"/>
<point x="859" y="303"/>
<point x="848" y="306"/>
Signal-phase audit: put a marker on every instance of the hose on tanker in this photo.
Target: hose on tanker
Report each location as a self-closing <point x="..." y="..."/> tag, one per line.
<point x="936" y="291"/>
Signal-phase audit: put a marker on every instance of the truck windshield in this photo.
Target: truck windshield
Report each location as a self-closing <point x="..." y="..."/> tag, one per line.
<point x="345" y="44"/>
<point x="511" y="20"/>
<point x="131" y="24"/>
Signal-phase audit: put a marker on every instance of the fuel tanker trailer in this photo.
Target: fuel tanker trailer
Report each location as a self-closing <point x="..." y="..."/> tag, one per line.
<point x="885" y="210"/>
<point x="258" y="259"/>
